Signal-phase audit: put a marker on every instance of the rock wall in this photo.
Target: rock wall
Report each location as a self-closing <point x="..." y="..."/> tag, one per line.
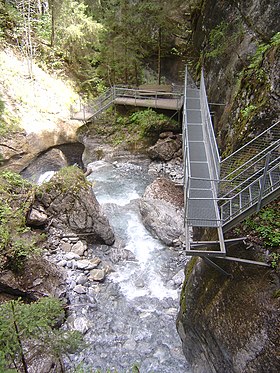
<point x="230" y="324"/>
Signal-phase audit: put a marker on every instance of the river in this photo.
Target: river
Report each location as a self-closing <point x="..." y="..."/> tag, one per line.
<point x="129" y="319"/>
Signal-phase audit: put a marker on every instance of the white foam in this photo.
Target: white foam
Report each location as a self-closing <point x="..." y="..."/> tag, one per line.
<point x="46" y="176"/>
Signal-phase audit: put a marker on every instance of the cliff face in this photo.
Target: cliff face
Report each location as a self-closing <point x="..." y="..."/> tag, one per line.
<point x="237" y="42"/>
<point x="230" y="324"/>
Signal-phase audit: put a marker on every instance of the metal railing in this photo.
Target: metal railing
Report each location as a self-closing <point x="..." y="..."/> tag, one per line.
<point x="246" y="164"/>
<point x="145" y="94"/>
<point x="211" y="144"/>
<point x="95" y="107"/>
<point x="251" y="177"/>
<point x="202" y="189"/>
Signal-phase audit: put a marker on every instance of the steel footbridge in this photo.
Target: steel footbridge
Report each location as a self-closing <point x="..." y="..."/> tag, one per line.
<point x="220" y="193"/>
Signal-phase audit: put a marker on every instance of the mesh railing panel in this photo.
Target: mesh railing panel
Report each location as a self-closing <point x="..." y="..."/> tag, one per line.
<point x="247" y="164"/>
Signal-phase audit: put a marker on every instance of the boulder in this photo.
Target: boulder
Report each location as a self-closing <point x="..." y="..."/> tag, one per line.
<point x="97" y="275"/>
<point x="166" y="147"/>
<point x="37" y="216"/>
<point x="162" y="210"/>
<point x="70" y="203"/>
<point x="79" y="248"/>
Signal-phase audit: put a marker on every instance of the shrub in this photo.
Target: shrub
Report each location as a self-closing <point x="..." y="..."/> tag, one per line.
<point x="148" y="121"/>
<point x="27" y="331"/>
<point x="16" y="240"/>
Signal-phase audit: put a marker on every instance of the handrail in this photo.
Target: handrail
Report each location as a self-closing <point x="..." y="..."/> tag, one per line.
<point x="249" y="143"/>
<point x="214" y="156"/>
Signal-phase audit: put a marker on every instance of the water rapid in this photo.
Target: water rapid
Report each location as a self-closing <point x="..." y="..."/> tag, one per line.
<point x="131" y="316"/>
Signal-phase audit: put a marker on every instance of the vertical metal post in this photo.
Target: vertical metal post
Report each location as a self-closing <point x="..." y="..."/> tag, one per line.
<point x="262" y="181"/>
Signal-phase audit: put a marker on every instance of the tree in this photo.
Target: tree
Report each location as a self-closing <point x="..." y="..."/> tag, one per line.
<point x="27" y="332"/>
<point x="135" y="32"/>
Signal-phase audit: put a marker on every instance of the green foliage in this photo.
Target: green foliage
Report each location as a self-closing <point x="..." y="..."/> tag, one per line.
<point x="135" y="32"/>
<point x="275" y="40"/>
<point x="223" y="38"/>
<point x="256" y="62"/>
<point x="266" y="224"/>
<point x="66" y="179"/>
<point x="76" y="32"/>
<point x="148" y="121"/>
<point x="2" y="107"/>
<point x="27" y="331"/>
<point x="7" y="125"/>
<point x="248" y="111"/>
<point x="275" y="258"/>
<point x="16" y="241"/>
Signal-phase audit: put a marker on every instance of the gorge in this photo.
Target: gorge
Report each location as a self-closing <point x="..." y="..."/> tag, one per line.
<point x="116" y="257"/>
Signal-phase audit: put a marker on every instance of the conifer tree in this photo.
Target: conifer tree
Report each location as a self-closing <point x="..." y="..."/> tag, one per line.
<point x="27" y="333"/>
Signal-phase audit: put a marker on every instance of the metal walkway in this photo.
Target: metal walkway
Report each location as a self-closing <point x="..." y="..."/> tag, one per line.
<point x="154" y="97"/>
<point x="221" y="193"/>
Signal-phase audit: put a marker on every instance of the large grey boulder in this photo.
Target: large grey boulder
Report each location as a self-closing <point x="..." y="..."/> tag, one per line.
<point x="71" y="205"/>
<point x="166" y="147"/>
<point x="162" y="210"/>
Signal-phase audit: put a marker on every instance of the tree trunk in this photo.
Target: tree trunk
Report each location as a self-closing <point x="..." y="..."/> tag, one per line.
<point x="53" y="24"/>
<point x="159" y="56"/>
<point x="22" y="357"/>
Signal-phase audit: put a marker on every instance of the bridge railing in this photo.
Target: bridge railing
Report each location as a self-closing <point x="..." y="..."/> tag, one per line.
<point x="211" y="144"/>
<point x="147" y="94"/>
<point x="101" y="103"/>
<point x="247" y="163"/>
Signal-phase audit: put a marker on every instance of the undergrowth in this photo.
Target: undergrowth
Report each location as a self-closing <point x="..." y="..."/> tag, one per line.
<point x="16" y="240"/>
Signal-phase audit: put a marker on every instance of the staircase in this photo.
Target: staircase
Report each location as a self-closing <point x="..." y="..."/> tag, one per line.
<point x="250" y="177"/>
<point x="219" y="194"/>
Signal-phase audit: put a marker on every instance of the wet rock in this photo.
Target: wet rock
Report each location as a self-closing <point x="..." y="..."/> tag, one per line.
<point x="39" y="277"/>
<point x="86" y="264"/>
<point x="95" y="261"/>
<point x="70" y="256"/>
<point x="79" y="323"/>
<point x="79" y="289"/>
<point x="120" y="254"/>
<point x="229" y="324"/>
<point x="65" y="246"/>
<point x="161" y="210"/>
<point x="97" y="275"/>
<point x="53" y="160"/>
<point x="81" y="280"/>
<point x="179" y="278"/>
<point x="62" y="263"/>
<point x="79" y="248"/>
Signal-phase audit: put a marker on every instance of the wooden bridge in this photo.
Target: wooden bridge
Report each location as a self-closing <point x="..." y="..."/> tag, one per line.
<point x="167" y="97"/>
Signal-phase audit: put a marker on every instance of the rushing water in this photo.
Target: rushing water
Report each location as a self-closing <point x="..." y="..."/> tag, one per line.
<point x="132" y="318"/>
<point x="129" y="318"/>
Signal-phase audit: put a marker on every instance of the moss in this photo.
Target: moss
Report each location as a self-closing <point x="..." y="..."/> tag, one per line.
<point x="67" y="178"/>
<point x="188" y="271"/>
